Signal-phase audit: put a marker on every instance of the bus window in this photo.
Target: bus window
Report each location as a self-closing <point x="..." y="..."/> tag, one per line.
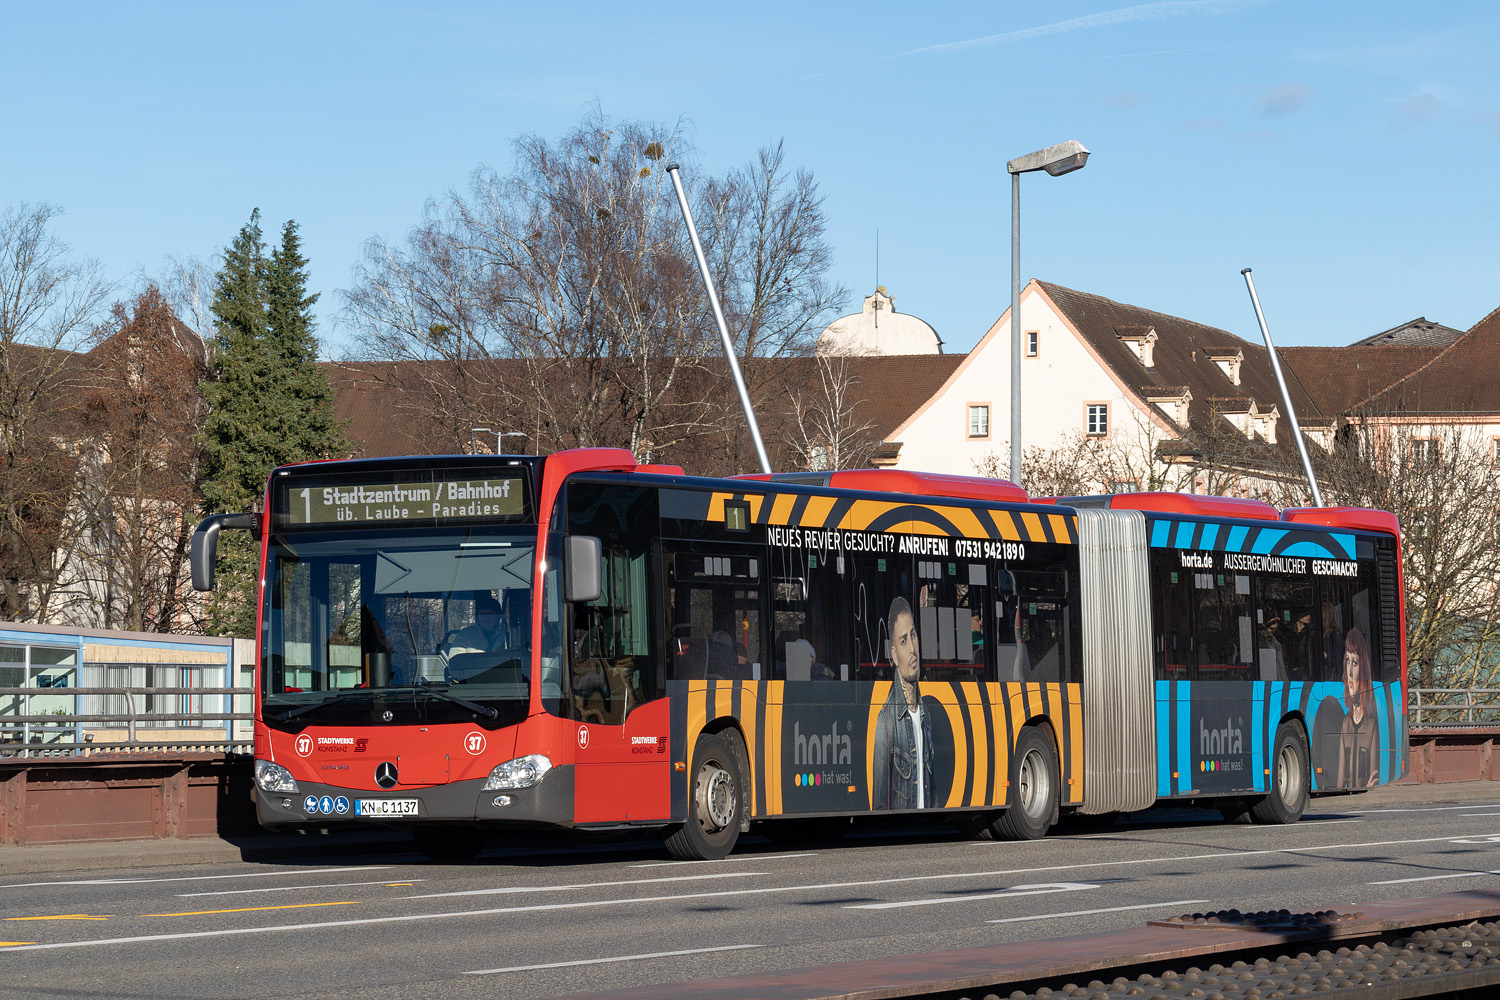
<point x="713" y="612"/>
<point x="1174" y="629"/>
<point x="1034" y="626"/>
<point x="878" y="581"/>
<point x="1225" y="636"/>
<point x="1284" y="630"/>
<point x="1348" y="604"/>
<point x="613" y="670"/>
<point x="952" y="618"/>
<point x="809" y="629"/>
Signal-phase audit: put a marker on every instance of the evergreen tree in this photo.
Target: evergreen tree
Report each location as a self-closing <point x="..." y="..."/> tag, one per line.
<point x="269" y="402"/>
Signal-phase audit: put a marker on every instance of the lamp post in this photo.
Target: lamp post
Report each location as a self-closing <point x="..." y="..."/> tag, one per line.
<point x="1063" y="158"/>
<point x="500" y="435"/>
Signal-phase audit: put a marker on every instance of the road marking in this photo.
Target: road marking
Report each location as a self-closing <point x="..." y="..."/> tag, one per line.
<point x="586" y="885"/>
<point x="732" y="857"/>
<point x="1479" y="814"/>
<point x="617" y="958"/>
<point x="638" y="900"/>
<point x="1016" y="890"/>
<point x="13" y="944"/>
<point x="65" y="916"/>
<point x="1425" y="809"/>
<point x="289" y="888"/>
<point x="248" y="909"/>
<point x="198" y="878"/>
<point x="1491" y="839"/>
<point x="1433" y="878"/>
<point x="1108" y="909"/>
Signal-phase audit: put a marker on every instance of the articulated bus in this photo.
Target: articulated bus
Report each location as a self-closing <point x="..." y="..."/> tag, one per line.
<point x="473" y="644"/>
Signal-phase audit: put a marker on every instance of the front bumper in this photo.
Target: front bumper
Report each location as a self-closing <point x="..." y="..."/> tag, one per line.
<point x="547" y="803"/>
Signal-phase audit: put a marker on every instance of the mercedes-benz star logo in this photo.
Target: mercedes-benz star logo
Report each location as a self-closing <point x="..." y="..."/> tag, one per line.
<point x="385" y="774"/>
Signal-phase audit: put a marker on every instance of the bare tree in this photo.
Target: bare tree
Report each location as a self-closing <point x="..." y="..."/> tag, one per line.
<point x="561" y="299"/>
<point x="146" y="413"/>
<point x="824" y="427"/>
<point x="1441" y="486"/>
<point x="48" y="304"/>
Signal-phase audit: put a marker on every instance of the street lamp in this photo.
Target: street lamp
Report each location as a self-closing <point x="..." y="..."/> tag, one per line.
<point x="1064" y="158"/>
<point x="499" y="435"/>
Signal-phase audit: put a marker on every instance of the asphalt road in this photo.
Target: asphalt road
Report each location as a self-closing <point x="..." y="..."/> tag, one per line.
<point x="570" y="916"/>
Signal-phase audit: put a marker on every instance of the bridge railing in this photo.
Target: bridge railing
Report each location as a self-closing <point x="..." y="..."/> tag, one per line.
<point x="141" y="727"/>
<point x="1454" y="707"/>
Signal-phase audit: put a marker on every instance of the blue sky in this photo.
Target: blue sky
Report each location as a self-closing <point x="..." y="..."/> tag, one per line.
<point x="1345" y="150"/>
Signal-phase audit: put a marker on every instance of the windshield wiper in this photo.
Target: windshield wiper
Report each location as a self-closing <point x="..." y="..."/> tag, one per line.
<point x="356" y="695"/>
<point x="365" y="693"/>
<point x="443" y="693"/>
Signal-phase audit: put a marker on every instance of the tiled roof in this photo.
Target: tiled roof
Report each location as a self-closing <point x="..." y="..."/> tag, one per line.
<point x="1463" y="377"/>
<point x="378" y="397"/>
<point x="1339" y="379"/>
<point x="1181" y="359"/>
<point x="1419" y="332"/>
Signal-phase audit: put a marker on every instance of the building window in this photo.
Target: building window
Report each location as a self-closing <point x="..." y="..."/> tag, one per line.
<point x="1495" y="453"/>
<point x="1097" y="423"/>
<point x="1032" y="337"/>
<point x="979" y="420"/>
<point x="1423" y="451"/>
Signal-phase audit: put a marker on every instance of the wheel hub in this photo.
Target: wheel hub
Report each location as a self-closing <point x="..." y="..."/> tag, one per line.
<point x="716" y="793"/>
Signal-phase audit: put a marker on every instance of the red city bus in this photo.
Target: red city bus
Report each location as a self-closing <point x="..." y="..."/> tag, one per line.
<point x="470" y="644"/>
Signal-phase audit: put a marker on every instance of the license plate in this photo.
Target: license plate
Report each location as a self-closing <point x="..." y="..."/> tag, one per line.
<point x="385" y="807"/>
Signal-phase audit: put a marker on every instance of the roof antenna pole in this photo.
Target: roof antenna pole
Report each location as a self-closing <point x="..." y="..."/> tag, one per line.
<point x="1286" y="397"/>
<point x="713" y="299"/>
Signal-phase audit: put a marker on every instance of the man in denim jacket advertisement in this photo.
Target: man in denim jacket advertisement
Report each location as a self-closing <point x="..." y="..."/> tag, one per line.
<point x="903" y="732"/>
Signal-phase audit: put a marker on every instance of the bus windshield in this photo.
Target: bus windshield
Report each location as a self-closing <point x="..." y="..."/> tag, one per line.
<point x="410" y="625"/>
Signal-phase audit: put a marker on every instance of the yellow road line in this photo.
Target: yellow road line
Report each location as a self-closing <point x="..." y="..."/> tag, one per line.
<point x="248" y="909"/>
<point x="9" y="944"/>
<point x="389" y="885"/>
<point x="64" y="916"/>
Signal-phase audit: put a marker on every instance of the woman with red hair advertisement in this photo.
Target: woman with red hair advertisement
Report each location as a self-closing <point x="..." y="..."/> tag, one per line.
<point x="1359" y="741"/>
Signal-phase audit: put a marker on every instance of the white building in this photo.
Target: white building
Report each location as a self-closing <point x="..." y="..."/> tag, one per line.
<point x="879" y="329"/>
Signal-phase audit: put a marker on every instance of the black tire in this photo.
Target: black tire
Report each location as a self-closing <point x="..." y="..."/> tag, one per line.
<point x="1034" y="787"/>
<point x="1289" y="779"/>
<point x="1236" y="811"/>
<point x="716" y="802"/>
<point x="449" y="844"/>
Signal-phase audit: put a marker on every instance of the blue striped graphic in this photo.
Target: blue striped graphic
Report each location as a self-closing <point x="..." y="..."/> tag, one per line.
<point x="1236" y="541"/>
<point x="1160" y="532"/>
<point x="1184" y="735"/>
<point x="1386" y="740"/>
<point x="1163" y="739"/>
<point x="1210" y="532"/>
<point x="1258" y="735"/>
<point x="1266" y="541"/>
<point x="1184" y="534"/>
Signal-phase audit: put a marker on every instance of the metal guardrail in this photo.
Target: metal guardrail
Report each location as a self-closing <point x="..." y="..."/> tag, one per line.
<point x="27" y="735"/>
<point x="1456" y="707"/>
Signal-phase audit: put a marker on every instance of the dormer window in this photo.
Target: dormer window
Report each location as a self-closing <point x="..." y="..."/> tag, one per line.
<point x="1172" y="400"/>
<point x="1229" y="360"/>
<point x="1142" y="342"/>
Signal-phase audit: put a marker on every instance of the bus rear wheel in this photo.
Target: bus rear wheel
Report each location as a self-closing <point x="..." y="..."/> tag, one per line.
<point x="1289" y="791"/>
<point x="715" y="805"/>
<point x="1034" y="788"/>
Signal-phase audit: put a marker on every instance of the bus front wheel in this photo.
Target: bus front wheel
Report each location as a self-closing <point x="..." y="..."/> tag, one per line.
<point x="715" y="805"/>
<point x="1034" y="788"/>
<point x="1289" y="791"/>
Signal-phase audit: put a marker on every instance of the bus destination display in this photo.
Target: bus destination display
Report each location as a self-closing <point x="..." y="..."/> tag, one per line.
<point x="443" y="499"/>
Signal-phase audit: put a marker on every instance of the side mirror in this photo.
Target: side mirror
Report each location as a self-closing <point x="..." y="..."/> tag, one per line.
<point x="205" y="545"/>
<point x="585" y="557"/>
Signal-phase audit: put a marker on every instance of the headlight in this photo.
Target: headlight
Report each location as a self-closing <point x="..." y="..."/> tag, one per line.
<point x="273" y="777"/>
<point x="523" y="772"/>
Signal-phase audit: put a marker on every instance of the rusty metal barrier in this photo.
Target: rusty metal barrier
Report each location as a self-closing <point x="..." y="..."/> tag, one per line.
<point x="39" y="735"/>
